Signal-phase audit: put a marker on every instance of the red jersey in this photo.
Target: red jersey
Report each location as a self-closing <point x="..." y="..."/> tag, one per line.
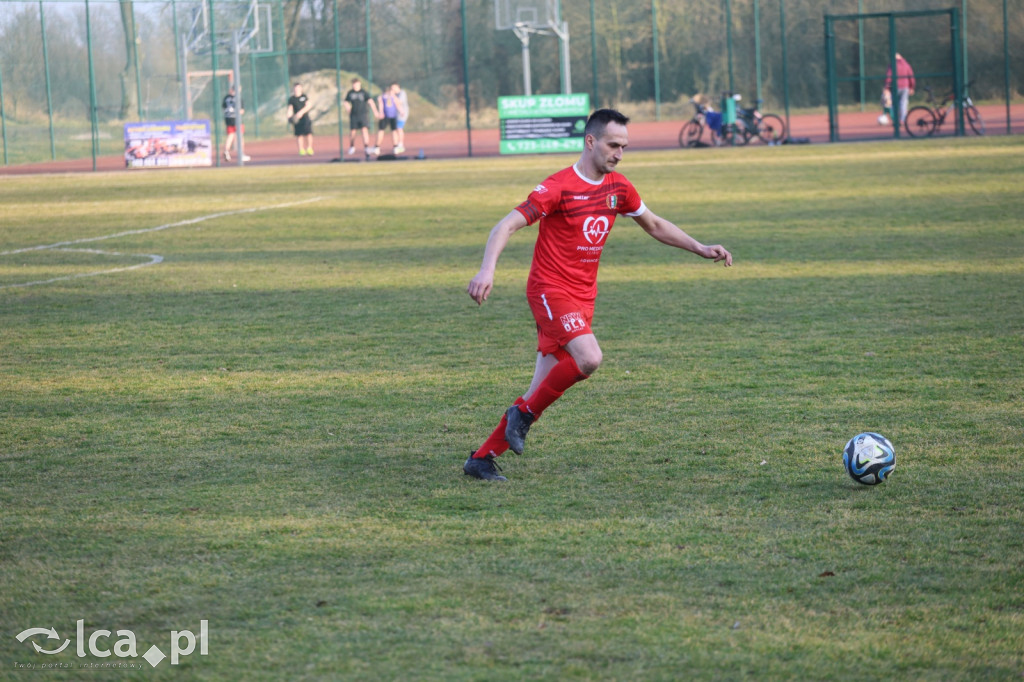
<point x="576" y="215"/>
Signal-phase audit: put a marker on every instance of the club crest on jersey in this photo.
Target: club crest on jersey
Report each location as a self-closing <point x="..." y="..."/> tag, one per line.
<point x="613" y="201"/>
<point x="573" y="322"/>
<point x="595" y="229"/>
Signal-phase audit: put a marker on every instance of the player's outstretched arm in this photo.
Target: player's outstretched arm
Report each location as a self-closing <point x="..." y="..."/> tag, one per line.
<point x="480" y="286"/>
<point x="668" y="233"/>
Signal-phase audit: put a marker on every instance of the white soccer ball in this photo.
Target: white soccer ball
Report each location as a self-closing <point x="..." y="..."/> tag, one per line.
<point x="869" y="458"/>
<point x="884" y="120"/>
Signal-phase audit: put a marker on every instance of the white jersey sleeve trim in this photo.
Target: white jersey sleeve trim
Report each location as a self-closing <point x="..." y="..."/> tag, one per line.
<point x="640" y="211"/>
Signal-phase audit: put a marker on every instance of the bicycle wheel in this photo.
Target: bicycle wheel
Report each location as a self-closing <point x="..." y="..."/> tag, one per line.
<point x="920" y="122"/>
<point x="973" y="117"/>
<point x="735" y="134"/>
<point x="689" y="136"/>
<point x="771" y="129"/>
<point x="727" y="134"/>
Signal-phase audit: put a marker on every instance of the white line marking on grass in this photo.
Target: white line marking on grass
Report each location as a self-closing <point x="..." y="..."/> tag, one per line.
<point x="153" y="258"/>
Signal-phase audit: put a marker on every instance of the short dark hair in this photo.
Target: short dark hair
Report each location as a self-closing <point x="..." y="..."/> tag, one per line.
<point x="600" y="119"/>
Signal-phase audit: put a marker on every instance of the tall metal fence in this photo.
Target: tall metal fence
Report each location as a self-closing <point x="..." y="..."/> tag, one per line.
<point x="73" y="72"/>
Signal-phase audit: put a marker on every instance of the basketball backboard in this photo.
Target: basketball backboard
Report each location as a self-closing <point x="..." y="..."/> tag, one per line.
<point x="243" y="25"/>
<point x="532" y="14"/>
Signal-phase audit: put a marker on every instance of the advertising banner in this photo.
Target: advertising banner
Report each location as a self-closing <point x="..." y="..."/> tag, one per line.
<point x="167" y="144"/>
<point x="536" y="124"/>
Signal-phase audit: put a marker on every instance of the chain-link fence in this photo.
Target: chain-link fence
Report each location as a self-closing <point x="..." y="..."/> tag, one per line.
<point x="73" y="72"/>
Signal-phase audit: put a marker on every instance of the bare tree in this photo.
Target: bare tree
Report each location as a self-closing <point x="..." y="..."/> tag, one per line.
<point x="129" y="100"/>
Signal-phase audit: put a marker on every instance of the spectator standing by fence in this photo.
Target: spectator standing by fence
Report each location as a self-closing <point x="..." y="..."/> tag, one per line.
<point x="299" y="107"/>
<point x="905" y="84"/>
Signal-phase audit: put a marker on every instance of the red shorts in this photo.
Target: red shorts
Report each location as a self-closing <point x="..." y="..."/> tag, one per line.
<point x="560" y="319"/>
<point x="232" y="129"/>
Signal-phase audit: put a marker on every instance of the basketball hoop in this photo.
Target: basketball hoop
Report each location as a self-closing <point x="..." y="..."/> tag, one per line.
<point x="229" y="28"/>
<point x="528" y="17"/>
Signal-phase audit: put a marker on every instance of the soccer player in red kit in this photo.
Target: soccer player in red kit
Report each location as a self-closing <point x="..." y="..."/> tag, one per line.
<point x="576" y="208"/>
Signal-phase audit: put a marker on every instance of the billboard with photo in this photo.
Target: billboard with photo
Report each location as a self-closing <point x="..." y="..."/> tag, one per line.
<point x="167" y="144"/>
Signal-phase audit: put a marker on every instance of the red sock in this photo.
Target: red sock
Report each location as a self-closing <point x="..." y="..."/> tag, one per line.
<point x="496" y="443"/>
<point x="559" y="379"/>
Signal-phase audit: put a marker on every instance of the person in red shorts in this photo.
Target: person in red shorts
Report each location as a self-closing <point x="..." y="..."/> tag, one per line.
<point x="576" y="208"/>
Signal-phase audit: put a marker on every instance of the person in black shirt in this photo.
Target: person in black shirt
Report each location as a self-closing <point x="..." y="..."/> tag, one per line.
<point x="356" y="102"/>
<point x="298" y="115"/>
<point x="232" y="107"/>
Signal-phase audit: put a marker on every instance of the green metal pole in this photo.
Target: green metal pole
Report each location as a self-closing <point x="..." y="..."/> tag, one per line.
<point x="593" y="54"/>
<point x="860" y="55"/>
<point x="963" y="36"/>
<point x="3" y="119"/>
<point x="465" y="80"/>
<point x="1006" y="64"/>
<point x="894" y="83"/>
<point x="369" y="46"/>
<point x="657" y="75"/>
<point x="337" y="78"/>
<point x="138" y="71"/>
<point x="92" y="88"/>
<point x="214" y="119"/>
<point x="728" y="40"/>
<point x="785" y="64"/>
<point x="46" y="71"/>
<point x="833" y="117"/>
<point x="958" y="75"/>
<point x="255" y="104"/>
<point x="757" y="45"/>
<point x="284" y="41"/>
<point x="177" y="44"/>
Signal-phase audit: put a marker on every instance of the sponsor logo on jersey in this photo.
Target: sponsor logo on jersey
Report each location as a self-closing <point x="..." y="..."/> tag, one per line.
<point x="573" y="322"/>
<point x="540" y="189"/>
<point x="581" y="197"/>
<point x="595" y="229"/>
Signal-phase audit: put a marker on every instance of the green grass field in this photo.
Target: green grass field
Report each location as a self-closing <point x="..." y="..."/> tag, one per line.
<point x="266" y="429"/>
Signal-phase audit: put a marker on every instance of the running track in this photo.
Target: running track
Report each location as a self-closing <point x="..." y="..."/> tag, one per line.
<point x="455" y="144"/>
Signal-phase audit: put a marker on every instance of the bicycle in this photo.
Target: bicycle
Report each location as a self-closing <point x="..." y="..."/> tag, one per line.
<point x="751" y="123"/>
<point x="693" y="130"/>
<point x="924" y="120"/>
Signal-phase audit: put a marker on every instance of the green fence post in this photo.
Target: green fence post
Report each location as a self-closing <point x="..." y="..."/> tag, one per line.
<point x="785" y="64"/>
<point x="284" y="42"/>
<point x="728" y="41"/>
<point x="757" y="45"/>
<point x="3" y="119"/>
<point x="369" y="46"/>
<point x="214" y="118"/>
<point x="255" y="97"/>
<point x="894" y="81"/>
<point x="860" y="53"/>
<point x="830" y="66"/>
<point x="138" y="70"/>
<point x="958" y="75"/>
<point x="1006" y="64"/>
<point x="177" y="47"/>
<point x="593" y="54"/>
<point x="465" y="81"/>
<point x="963" y="32"/>
<point x="337" y="79"/>
<point x="46" y="72"/>
<point x="657" y="76"/>
<point x="94" y="121"/>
